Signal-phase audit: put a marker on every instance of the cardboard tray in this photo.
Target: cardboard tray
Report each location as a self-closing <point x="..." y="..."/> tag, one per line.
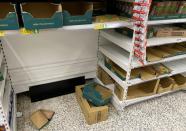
<point x="179" y="82"/>
<point x="8" y="17"/>
<point x="41" y="15"/>
<point x="119" y="92"/>
<point x="165" y="85"/>
<point x="77" y="13"/>
<point x="142" y="90"/>
<point x="104" y="77"/>
<point x="91" y="113"/>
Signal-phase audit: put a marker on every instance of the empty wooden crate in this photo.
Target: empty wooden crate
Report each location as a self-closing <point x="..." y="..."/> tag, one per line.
<point x="92" y="114"/>
<point x="165" y="85"/>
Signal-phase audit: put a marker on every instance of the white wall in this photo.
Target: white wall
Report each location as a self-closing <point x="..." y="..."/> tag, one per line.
<point x="50" y="56"/>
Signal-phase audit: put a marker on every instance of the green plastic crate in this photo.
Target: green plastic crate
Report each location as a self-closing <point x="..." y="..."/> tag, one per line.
<point x="77" y="13"/>
<point x="42" y="15"/>
<point x="8" y="17"/>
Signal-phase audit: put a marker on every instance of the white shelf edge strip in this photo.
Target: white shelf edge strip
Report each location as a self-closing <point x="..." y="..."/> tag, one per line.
<point x="168" y="59"/>
<point x="116" y="54"/>
<point x="169" y="21"/>
<point x="118" y="39"/>
<point x="125" y="42"/>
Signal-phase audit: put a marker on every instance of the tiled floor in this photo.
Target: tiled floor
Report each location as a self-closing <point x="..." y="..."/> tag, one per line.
<point x="167" y="113"/>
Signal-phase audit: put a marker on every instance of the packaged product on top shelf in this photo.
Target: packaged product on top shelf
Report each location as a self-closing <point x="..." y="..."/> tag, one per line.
<point x="168" y="31"/>
<point x="164" y="10"/>
<point x="182" y="9"/>
<point x="129" y="32"/>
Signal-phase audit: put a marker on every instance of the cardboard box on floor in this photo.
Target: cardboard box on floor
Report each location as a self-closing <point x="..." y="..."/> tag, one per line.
<point x="39" y="119"/>
<point x="92" y="114"/>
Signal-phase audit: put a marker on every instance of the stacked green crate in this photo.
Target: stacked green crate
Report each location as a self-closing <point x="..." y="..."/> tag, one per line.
<point x="8" y="17"/>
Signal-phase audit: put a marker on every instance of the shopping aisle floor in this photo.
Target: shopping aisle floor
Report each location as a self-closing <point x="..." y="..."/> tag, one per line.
<point x="167" y="113"/>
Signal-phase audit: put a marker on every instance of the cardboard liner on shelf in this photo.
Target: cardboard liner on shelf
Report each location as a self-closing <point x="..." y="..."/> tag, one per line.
<point x="179" y="82"/>
<point x="142" y="90"/>
<point x="165" y="85"/>
<point x="104" y="77"/>
<point x="119" y="92"/>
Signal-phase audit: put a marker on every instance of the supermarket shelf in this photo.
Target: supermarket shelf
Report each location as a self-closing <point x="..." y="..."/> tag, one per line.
<point x="156" y="41"/>
<point x="118" y="39"/>
<point x="116" y="79"/>
<point x="141" y="99"/>
<point x="169" y="59"/>
<point x="177" y="67"/>
<point x="169" y="21"/>
<point x="121" y="57"/>
<point x="106" y="25"/>
<point x="2" y="83"/>
<point x="117" y="55"/>
<point x="125" y="42"/>
<point x="120" y="105"/>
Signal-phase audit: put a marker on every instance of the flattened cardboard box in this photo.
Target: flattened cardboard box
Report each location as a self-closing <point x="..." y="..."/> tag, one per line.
<point x="92" y="114"/>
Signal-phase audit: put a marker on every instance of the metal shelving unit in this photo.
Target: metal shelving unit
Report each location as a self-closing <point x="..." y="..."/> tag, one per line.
<point x="120" y="49"/>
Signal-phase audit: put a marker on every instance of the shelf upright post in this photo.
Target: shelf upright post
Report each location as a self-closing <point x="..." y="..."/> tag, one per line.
<point x="139" y="42"/>
<point x="3" y="117"/>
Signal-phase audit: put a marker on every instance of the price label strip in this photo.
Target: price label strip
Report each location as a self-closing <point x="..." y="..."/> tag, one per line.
<point x="140" y="15"/>
<point x="2" y="33"/>
<point x="100" y="26"/>
<point x="24" y="31"/>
